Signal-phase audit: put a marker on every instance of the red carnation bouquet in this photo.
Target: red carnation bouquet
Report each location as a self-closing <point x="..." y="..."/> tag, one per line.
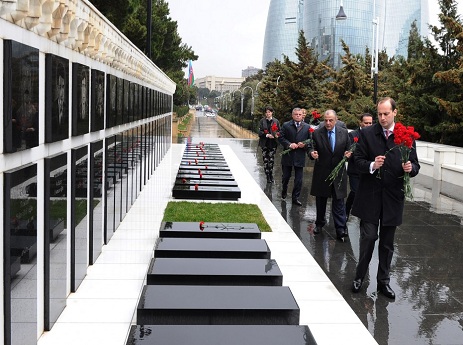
<point x="404" y="136"/>
<point x="307" y="141"/>
<point x="275" y="131"/>
<point x="315" y="118"/>
<point x="341" y="166"/>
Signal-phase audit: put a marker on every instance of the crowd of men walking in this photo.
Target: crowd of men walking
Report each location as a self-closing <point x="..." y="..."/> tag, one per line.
<point x="375" y="171"/>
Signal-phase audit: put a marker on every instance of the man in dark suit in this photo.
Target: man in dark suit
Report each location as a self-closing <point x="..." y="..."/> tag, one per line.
<point x="379" y="200"/>
<point x="364" y="121"/>
<point x="330" y="145"/>
<point x="294" y="134"/>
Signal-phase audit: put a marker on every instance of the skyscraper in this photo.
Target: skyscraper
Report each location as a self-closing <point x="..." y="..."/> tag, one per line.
<point x="324" y="33"/>
<point x="284" y="21"/>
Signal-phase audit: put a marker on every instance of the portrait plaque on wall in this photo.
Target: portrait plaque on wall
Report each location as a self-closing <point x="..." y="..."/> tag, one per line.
<point x="126" y="113"/>
<point x="56" y="98"/>
<point x="20" y="97"/>
<point x="97" y="112"/>
<point x="111" y="100"/>
<point x="80" y="97"/>
<point x="119" y="100"/>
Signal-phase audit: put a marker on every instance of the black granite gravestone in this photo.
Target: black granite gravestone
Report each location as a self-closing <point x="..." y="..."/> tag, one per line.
<point x="220" y="334"/>
<point x="212" y="248"/>
<point x="188" y="271"/>
<point x="217" y="305"/>
<point x="208" y="229"/>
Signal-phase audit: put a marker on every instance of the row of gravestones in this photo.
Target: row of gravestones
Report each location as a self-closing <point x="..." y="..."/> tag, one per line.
<point x="204" y="174"/>
<point x="214" y="283"/>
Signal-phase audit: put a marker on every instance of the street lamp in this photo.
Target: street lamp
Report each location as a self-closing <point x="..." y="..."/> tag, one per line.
<point x="340" y="16"/>
<point x="374" y="54"/>
<point x="241" y="99"/>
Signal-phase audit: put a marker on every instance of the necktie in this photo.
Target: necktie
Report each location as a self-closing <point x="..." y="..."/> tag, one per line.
<point x="387" y="132"/>
<point x="331" y="137"/>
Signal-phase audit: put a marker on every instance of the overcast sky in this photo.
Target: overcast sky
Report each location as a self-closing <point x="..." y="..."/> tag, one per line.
<point x="228" y="35"/>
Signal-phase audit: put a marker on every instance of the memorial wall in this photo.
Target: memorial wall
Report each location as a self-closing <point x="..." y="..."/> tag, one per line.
<point x="86" y="120"/>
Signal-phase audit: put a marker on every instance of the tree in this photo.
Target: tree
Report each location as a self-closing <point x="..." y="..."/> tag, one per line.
<point x="352" y="88"/>
<point x="168" y="51"/>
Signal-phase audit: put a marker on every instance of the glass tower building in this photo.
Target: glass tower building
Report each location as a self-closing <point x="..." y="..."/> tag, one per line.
<point x="284" y="21"/>
<point x="324" y="33"/>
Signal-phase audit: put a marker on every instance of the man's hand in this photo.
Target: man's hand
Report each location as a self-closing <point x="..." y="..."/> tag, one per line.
<point x="293" y="146"/>
<point x="348" y="154"/>
<point x="407" y="167"/>
<point x="314" y="154"/>
<point x="378" y="163"/>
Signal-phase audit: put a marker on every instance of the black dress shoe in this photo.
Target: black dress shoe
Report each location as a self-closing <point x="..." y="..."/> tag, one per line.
<point x="317" y="230"/>
<point x="357" y="285"/>
<point x="386" y="290"/>
<point x="283" y="194"/>
<point x="341" y="235"/>
<point x="297" y="202"/>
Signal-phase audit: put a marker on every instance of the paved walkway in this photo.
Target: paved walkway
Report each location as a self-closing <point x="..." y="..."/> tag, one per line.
<point x="427" y="273"/>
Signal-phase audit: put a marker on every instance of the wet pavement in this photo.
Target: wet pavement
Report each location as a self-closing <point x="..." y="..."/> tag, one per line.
<point x="427" y="268"/>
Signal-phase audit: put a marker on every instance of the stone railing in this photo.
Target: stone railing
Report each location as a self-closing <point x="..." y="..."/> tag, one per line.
<point x="78" y="25"/>
<point x="235" y="130"/>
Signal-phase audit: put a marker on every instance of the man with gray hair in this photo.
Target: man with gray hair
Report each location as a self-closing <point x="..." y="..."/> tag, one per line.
<point x="330" y="144"/>
<point x="294" y="133"/>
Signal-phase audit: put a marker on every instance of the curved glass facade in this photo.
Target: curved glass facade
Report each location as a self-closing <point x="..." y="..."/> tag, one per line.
<point x="282" y="30"/>
<point x="324" y="33"/>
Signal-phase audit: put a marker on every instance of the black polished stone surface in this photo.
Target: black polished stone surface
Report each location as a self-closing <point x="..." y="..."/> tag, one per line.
<point x="206" y="176"/>
<point x="217" y="305"/>
<point x="205" y="192"/>
<point x="205" y="172"/>
<point x="188" y="271"/>
<point x="204" y="167"/>
<point x="204" y="182"/>
<point x="220" y="335"/>
<point x="203" y="160"/>
<point x="218" y="230"/>
<point x="212" y="248"/>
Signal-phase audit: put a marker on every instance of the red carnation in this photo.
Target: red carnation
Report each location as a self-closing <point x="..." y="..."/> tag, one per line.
<point x="196" y="187"/>
<point x="184" y="180"/>
<point x="356" y="139"/>
<point x="311" y="130"/>
<point x="201" y="225"/>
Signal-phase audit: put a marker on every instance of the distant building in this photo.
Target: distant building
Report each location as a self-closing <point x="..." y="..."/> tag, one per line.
<point x="220" y="84"/>
<point x="317" y="18"/>
<point x="250" y="71"/>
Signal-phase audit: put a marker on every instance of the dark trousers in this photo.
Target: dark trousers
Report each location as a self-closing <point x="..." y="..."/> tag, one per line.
<point x="297" y="180"/>
<point x="353" y="184"/>
<point x="268" y="157"/>
<point x="338" y="211"/>
<point x="368" y="237"/>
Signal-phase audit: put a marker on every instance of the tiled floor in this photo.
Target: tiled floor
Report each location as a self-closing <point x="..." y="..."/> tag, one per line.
<point x="103" y="308"/>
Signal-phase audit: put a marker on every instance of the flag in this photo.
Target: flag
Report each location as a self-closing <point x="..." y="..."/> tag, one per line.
<point x="191" y="76"/>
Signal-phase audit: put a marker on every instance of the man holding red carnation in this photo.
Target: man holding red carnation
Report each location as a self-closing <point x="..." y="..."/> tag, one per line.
<point x="379" y="200"/>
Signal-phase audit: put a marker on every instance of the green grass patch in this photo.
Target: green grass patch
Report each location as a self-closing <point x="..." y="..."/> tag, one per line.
<point x="184" y="211"/>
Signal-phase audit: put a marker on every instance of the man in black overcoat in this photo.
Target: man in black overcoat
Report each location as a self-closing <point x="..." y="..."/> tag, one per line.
<point x="294" y="133"/>
<point x="379" y="200"/>
<point x="326" y="159"/>
<point x="365" y="120"/>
